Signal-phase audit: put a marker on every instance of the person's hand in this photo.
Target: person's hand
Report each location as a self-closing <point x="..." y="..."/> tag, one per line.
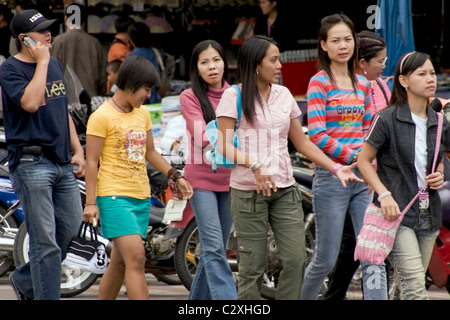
<point x="435" y="180"/>
<point x="81" y="163"/>
<point x="184" y="189"/>
<point x="390" y="208"/>
<point x="91" y="214"/>
<point x="39" y="52"/>
<point x="175" y="145"/>
<point x="264" y="182"/>
<point x="346" y="174"/>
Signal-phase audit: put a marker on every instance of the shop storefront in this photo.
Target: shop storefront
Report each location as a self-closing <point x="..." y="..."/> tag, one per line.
<point x="177" y="25"/>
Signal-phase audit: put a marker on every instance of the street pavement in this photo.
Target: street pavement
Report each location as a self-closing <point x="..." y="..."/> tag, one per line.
<point x="161" y="291"/>
<point x="158" y="291"/>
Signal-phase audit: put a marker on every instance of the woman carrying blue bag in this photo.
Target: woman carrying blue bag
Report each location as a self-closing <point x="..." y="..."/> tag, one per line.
<point x="213" y="278"/>
<point x="263" y="188"/>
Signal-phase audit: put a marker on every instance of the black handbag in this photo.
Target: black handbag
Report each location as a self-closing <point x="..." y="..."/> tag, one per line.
<point x="86" y="252"/>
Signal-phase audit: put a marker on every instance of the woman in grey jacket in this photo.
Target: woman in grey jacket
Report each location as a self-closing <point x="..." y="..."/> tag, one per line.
<point x="403" y="139"/>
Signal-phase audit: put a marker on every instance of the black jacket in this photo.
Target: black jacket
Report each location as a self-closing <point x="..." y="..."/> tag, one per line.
<point x="393" y="134"/>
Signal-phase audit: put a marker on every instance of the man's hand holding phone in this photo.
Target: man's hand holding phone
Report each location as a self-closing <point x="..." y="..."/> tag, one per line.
<point x="39" y="51"/>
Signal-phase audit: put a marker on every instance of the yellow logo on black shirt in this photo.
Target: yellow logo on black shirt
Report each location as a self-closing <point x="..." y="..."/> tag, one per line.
<point x="56" y="89"/>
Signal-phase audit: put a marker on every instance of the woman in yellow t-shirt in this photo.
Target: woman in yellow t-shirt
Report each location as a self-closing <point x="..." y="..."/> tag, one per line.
<point x="119" y="138"/>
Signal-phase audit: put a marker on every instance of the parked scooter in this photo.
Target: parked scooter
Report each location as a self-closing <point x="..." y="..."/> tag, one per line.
<point x="438" y="273"/>
<point x="9" y="223"/>
<point x="73" y="282"/>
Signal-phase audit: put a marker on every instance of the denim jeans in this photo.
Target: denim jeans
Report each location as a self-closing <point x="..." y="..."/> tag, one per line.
<point x="213" y="278"/>
<point x="411" y="255"/>
<point x="52" y="205"/>
<point x="331" y="202"/>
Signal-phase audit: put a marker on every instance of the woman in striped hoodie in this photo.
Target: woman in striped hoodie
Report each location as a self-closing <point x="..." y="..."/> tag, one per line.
<point x="339" y="116"/>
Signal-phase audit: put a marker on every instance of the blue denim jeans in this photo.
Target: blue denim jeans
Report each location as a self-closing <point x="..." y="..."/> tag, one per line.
<point x="331" y="202"/>
<point x="213" y="278"/>
<point x="411" y="255"/>
<point x="52" y="205"/>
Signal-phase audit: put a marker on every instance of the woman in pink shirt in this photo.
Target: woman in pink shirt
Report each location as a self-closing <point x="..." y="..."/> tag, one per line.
<point x="372" y="57"/>
<point x="263" y="189"/>
<point x="213" y="278"/>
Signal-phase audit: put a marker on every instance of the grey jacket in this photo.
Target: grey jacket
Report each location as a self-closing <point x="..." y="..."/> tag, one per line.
<point x="393" y="134"/>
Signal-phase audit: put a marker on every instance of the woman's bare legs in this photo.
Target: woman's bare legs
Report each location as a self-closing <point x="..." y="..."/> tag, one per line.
<point x="127" y="264"/>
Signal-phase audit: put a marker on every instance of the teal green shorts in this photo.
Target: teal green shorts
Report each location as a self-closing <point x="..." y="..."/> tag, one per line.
<point x="122" y="216"/>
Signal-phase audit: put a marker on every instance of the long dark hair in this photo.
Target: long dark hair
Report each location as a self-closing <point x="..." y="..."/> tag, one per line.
<point x="407" y="64"/>
<point x="250" y="55"/>
<point x="326" y="24"/>
<point x="199" y="86"/>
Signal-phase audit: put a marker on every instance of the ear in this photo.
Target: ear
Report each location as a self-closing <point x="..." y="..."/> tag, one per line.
<point x="323" y="44"/>
<point x="362" y="63"/>
<point x="403" y="81"/>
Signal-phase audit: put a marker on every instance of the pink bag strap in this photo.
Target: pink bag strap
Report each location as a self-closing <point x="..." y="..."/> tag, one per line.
<point x="436" y="154"/>
<point x="438" y="140"/>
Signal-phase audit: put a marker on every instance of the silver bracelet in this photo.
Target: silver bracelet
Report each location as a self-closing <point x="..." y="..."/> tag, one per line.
<point x="255" y="166"/>
<point x="384" y="195"/>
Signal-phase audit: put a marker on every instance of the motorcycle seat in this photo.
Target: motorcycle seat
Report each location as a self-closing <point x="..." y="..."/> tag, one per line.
<point x="156" y="215"/>
<point x="303" y="176"/>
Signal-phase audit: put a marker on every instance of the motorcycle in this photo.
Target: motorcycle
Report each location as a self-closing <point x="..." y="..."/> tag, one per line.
<point x="73" y="282"/>
<point x="439" y="267"/>
<point x="9" y="223"/>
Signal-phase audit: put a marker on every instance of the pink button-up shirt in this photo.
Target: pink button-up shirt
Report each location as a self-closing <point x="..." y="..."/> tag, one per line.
<point x="266" y="140"/>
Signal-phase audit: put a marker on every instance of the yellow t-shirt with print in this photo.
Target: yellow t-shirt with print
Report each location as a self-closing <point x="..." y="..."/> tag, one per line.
<point x="122" y="170"/>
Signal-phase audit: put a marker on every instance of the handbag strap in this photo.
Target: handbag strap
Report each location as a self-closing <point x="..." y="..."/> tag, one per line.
<point x="436" y="154"/>
<point x="159" y="59"/>
<point x="382" y="90"/>
<point x="238" y="106"/>
<point x="438" y="139"/>
<point x="93" y="232"/>
<point x="83" y="229"/>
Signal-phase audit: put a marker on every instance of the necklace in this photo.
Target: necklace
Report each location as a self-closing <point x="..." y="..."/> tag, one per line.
<point x="119" y="106"/>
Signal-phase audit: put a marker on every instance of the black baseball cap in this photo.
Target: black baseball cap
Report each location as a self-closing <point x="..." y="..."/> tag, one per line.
<point x="29" y="21"/>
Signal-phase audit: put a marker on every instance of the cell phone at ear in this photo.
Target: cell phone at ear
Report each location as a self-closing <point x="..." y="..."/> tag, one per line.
<point x="29" y="39"/>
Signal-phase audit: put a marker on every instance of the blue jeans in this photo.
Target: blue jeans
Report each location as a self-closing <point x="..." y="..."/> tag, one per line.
<point x="411" y="255"/>
<point x="331" y="201"/>
<point x="213" y="278"/>
<point x="52" y="205"/>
